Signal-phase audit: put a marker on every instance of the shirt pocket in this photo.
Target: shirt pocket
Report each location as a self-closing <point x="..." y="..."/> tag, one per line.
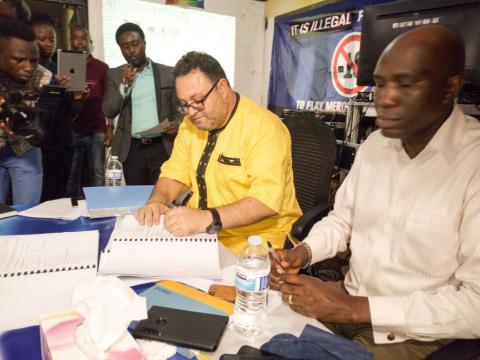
<point x="231" y="176"/>
<point x="229" y="160"/>
<point x="431" y="243"/>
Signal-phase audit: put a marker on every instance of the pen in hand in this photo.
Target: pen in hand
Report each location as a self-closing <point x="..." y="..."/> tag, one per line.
<point x="272" y="252"/>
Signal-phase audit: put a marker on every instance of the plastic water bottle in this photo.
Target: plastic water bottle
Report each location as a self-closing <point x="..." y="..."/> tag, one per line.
<point x="113" y="172"/>
<point x="252" y="282"/>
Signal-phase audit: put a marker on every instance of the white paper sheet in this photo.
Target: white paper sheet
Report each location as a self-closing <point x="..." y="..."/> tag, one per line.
<point x="57" y="209"/>
<point x="156" y="130"/>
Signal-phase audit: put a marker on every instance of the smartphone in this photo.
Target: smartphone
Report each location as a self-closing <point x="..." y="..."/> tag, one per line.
<point x="73" y="64"/>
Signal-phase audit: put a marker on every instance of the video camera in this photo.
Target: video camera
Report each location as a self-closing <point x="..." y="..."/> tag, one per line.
<point x="24" y="117"/>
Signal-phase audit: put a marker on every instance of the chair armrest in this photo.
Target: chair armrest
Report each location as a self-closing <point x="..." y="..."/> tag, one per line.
<point x="304" y="223"/>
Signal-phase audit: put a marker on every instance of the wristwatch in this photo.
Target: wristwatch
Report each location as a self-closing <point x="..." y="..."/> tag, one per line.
<point x="216" y="224"/>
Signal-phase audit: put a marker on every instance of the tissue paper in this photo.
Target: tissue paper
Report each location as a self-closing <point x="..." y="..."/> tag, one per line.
<point x="108" y="306"/>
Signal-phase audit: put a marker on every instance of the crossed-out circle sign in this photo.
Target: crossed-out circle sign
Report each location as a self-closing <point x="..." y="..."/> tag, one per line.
<point x="344" y="68"/>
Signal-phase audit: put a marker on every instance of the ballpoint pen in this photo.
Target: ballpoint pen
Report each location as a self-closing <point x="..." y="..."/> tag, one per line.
<point x="272" y="252"/>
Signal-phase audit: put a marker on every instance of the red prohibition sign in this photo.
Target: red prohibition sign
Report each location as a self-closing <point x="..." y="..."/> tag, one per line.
<point x="342" y="54"/>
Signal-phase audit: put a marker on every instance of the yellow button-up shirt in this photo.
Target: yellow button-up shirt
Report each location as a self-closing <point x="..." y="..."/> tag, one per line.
<point x="252" y="158"/>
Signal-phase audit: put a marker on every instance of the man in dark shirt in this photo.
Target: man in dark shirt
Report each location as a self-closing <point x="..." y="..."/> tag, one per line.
<point x="57" y="146"/>
<point x="91" y="132"/>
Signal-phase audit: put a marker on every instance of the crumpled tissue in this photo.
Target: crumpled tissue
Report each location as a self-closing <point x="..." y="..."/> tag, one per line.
<point x="108" y="306"/>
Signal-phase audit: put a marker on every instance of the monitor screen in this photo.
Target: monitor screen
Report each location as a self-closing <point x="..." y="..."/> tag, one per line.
<point x="382" y="23"/>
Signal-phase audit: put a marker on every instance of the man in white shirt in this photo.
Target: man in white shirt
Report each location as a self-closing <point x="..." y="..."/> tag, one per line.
<point x="410" y="210"/>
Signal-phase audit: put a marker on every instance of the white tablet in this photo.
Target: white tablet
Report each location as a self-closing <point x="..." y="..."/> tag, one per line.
<point x="74" y="65"/>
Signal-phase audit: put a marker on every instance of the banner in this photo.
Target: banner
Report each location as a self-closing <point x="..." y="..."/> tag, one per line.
<point x="314" y="57"/>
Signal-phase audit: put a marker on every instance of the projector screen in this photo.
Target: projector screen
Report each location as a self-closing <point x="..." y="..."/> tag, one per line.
<point x="170" y="31"/>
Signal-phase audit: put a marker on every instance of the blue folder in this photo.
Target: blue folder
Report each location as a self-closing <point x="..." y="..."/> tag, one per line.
<point x="104" y="201"/>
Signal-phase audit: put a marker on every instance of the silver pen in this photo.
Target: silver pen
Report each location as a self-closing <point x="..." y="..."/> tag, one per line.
<point x="272" y="252"/>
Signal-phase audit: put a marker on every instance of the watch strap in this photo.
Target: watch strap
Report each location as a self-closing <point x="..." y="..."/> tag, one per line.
<point x="216" y="217"/>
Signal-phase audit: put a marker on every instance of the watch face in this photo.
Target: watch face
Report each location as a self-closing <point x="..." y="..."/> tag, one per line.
<point x="213" y="229"/>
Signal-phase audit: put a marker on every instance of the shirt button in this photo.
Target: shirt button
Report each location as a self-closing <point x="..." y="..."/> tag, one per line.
<point x="391" y="337"/>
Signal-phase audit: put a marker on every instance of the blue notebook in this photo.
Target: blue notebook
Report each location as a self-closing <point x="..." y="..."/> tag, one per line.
<point x="104" y="201"/>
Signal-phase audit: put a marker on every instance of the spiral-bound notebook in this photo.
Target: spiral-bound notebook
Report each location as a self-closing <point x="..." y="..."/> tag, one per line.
<point x="135" y="250"/>
<point x="39" y="272"/>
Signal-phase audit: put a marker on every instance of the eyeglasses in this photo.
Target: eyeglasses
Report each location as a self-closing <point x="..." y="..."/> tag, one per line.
<point x="197" y="105"/>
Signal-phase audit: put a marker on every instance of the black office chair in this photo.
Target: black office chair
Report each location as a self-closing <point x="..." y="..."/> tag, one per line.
<point x="313" y="160"/>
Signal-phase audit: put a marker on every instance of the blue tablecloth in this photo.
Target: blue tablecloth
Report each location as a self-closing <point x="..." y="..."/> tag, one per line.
<point x="24" y="344"/>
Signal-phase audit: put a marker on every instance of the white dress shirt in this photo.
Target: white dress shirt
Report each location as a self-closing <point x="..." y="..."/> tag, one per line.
<point x="414" y="232"/>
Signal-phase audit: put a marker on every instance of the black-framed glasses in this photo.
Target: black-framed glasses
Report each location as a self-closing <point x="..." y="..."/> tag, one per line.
<point x="197" y="105"/>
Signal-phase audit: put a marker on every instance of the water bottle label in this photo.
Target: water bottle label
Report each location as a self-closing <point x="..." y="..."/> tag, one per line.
<point x="251" y="283"/>
<point x="113" y="174"/>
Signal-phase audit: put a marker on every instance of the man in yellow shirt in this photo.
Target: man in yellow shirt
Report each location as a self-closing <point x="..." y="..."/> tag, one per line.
<point x="233" y="154"/>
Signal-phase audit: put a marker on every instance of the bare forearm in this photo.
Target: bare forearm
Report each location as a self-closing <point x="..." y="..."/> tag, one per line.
<point x="244" y="212"/>
<point x="165" y="191"/>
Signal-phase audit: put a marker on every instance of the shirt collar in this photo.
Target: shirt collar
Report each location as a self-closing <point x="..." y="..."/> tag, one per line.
<point x="149" y="64"/>
<point x="446" y="139"/>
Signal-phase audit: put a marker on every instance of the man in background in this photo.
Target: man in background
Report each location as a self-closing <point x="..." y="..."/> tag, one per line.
<point x="410" y="210"/>
<point x="57" y="147"/>
<point x="233" y="154"/>
<point x="20" y="158"/>
<point x="90" y="129"/>
<point x="142" y="94"/>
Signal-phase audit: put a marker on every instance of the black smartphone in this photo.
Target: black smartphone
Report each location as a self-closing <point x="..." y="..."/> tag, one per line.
<point x="181" y="327"/>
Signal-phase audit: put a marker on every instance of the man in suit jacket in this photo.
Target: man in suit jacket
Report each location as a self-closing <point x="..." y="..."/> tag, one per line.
<point x="142" y="93"/>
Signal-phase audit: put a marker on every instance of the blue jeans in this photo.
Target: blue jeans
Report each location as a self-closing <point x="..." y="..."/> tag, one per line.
<point x="24" y="172"/>
<point x="91" y="147"/>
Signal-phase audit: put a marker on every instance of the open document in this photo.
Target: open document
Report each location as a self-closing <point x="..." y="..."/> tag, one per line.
<point x="136" y="250"/>
<point x="39" y="272"/>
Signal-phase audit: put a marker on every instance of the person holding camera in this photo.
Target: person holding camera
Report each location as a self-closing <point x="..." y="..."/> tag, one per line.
<point x="21" y="82"/>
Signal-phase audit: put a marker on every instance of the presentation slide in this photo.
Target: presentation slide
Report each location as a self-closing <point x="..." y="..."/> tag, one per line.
<point x="170" y="32"/>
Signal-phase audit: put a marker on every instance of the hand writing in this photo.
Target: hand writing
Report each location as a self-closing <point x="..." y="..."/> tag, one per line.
<point x="290" y="262"/>
<point x="183" y="221"/>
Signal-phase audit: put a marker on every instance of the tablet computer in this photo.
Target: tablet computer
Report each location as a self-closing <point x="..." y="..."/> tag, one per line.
<point x="73" y="64"/>
<point x="182" y="327"/>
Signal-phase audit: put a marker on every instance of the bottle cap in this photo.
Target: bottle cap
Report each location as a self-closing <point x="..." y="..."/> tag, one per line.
<point x="254" y="240"/>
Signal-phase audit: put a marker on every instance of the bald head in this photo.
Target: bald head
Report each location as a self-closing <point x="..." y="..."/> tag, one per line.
<point x="442" y="47"/>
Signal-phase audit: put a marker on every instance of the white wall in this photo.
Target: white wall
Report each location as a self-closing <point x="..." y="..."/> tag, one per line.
<point x="250" y="40"/>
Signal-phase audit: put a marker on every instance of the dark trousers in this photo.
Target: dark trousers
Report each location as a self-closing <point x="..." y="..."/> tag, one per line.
<point x="56" y="167"/>
<point x="142" y="165"/>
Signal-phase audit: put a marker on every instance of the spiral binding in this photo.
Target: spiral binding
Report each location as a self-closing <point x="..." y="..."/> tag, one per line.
<point x="45" y="271"/>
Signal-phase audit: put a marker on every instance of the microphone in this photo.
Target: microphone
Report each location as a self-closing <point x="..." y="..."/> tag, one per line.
<point x="129" y="85"/>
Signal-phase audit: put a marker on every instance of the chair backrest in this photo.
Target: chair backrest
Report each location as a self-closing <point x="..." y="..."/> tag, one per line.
<point x="313" y="158"/>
